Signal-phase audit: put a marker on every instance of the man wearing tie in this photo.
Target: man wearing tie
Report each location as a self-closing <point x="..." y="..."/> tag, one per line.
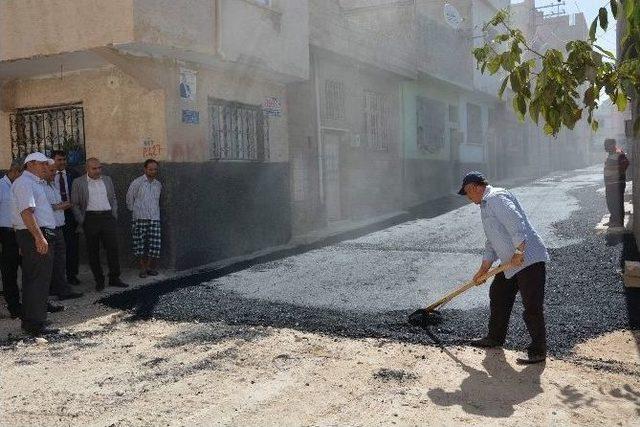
<point x="63" y="183"/>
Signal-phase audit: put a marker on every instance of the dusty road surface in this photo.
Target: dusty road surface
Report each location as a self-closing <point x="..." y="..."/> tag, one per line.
<point x="320" y="338"/>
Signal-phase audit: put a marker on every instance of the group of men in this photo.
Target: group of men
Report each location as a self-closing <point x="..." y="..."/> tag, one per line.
<point x="44" y="207"/>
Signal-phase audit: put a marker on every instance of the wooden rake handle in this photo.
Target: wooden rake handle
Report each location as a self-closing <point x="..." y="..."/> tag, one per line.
<point x="468" y="285"/>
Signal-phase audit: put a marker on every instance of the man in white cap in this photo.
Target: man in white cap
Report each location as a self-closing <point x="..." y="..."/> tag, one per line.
<point x="35" y="223"/>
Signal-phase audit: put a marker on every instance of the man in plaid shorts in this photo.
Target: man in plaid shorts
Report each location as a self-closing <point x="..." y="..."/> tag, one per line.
<point x="143" y="199"/>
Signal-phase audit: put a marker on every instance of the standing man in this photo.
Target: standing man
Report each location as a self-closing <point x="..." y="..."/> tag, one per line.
<point x="615" y="168"/>
<point x="143" y="199"/>
<point x="35" y="226"/>
<point x="59" y="284"/>
<point x="9" y="257"/>
<point x="510" y="238"/>
<point x="63" y="182"/>
<point x="96" y="210"/>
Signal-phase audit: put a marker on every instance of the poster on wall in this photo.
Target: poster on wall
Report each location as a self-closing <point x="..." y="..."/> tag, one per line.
<point x="272" y="107"/>
<point x="190" y="117"/>
<point x="188" y="82"/>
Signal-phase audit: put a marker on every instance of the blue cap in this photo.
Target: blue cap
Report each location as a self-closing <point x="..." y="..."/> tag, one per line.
<point x="472" y="177"/>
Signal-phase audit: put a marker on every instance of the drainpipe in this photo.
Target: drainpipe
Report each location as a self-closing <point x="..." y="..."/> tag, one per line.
<point x="316" y="83"/>
<point x="217" y="29"/>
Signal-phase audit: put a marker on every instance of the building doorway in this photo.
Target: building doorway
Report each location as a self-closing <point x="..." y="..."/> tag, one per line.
<point x="331" y="175"/>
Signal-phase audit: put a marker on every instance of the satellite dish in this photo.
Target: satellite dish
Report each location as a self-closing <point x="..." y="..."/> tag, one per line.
<point x="451" y="16"/>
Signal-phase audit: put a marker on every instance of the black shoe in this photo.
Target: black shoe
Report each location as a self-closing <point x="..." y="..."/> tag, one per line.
<point x="152" y="272"/>
<point x="100" y="285"/>
<point x="15" y="312"/>
<point x="39" y="330"/>
<point x="73" y="281"/>
<point x="485" y="342"/>
<point x="532" y="358"/>
<point x="70" y="295"/>
<point x="117" y="284"/>
<point x="54" y="308"/>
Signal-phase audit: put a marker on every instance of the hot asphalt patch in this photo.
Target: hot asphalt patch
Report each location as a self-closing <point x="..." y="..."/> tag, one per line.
<point x="585" y="298"/>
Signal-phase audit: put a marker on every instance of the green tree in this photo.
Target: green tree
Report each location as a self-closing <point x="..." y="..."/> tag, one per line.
<point x="557" y="87"/>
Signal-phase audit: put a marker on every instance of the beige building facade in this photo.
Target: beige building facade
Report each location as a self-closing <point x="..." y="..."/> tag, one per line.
<point x="183" y="82"/>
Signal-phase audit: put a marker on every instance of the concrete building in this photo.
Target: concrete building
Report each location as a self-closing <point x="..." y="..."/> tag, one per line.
<point x="345" y="135"/>
<point x="183" y="82"/>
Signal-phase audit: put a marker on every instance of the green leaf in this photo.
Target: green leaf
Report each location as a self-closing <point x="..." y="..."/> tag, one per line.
<point x="604" y="20"/>
<point x="614" y="8"/>
<point x="594" y="125"/>
<point x="494" y="64"/>
<point x="606" y="52"/>
<point x="534" y="111"/>
<point x="516" y="85"/>
<point x="548" y="129"/>
<point x="628" y="8"/>
<point x="503" y="87"/>
<point x="621" y="101"/>
<point x="592" y="29"/>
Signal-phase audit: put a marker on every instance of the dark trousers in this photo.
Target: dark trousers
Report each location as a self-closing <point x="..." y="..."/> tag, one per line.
<point x="36" y="278"/>
<point x="101" y="227"/>
<point x="615" y="202"/>
<point x="71" y="244"/>
<point x="59" y="285"/>
<point x="530" y="282"/>
<point x="9" y="261"/>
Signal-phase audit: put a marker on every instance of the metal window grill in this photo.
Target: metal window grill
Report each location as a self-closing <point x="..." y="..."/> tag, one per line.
<point x="238" y="131"/>
<point x="377" y="121"/>
<point x="334" y="100"/>
<point x="47" y="129"/>
<point x="474" y="124"/>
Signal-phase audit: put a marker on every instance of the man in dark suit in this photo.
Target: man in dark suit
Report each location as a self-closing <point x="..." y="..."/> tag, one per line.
<point x="63" y="182"/>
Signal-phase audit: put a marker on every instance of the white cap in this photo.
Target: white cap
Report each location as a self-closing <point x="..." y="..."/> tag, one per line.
<point x="36" y="157"/>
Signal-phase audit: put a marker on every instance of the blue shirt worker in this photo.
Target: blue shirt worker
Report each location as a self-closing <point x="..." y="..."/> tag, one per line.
<point x="35" y="224"/>
<point x="512" y="239"/>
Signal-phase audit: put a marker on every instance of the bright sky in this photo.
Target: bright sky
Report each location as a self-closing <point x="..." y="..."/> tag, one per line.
<point x="590" y="9"/>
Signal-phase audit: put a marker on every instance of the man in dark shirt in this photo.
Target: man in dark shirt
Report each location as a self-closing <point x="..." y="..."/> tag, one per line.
<point x="615" y="167"/>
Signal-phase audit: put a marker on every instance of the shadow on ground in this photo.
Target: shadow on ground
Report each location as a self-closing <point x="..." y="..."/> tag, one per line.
<point x="495" y="391"/>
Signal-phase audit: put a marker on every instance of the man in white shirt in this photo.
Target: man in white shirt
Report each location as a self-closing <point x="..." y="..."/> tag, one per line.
<point x="10" y="256"/>
<point x="35" y="226"/>
<point x="143" y="200"/>
<point x="59" y="285"/>
<point x="96" y="210"/>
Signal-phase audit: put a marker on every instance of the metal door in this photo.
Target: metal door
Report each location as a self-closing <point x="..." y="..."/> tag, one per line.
<point x="331" y="173"/>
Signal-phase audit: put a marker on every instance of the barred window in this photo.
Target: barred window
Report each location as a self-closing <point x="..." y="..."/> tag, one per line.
<point x="47" y="129"/>
<point x="474" y="124"/>
<point x="334" y="100"/>
<point x="238" y="131"/>
<point x="431" y="117"/>
<point x="377" y="120"/>
<point x="453" y="114"/>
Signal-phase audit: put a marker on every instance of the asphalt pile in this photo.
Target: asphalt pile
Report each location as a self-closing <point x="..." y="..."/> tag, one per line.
<point x="585" y="297"/>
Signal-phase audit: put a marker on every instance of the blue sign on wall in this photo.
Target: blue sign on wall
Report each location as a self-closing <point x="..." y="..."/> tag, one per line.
<point x="191" y="117"/>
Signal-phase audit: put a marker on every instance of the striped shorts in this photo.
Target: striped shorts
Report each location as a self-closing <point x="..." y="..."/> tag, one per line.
<point x="146" y="235"/>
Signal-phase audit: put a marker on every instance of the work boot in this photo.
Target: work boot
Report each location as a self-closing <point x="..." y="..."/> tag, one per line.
<point x="54" y="308"/>
<point x="485" y="342"/>
<point x="532" y="357"/>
